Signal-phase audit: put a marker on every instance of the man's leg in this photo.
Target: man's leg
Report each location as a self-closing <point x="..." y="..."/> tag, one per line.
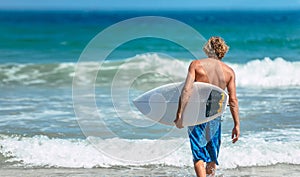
<point x="211" y="168"/>
<point x="200" y="168"/>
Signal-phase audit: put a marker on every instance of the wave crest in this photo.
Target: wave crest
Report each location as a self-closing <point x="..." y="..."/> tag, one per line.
<point x="265" y="73"/>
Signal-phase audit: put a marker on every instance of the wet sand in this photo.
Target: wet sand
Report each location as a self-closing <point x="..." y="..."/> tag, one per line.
<point x="278" y="170"/>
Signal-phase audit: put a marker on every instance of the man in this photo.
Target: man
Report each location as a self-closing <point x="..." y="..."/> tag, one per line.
<point x="210" y="70"/>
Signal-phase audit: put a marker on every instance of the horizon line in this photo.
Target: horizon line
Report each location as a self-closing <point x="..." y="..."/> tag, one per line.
<point x="148" y="9"/>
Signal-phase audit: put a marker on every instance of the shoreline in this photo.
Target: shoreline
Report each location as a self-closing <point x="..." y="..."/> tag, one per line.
<point x="277" y="170"/>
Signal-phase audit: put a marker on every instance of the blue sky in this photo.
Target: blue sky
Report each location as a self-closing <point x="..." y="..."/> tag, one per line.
<point x="149" y="4"/>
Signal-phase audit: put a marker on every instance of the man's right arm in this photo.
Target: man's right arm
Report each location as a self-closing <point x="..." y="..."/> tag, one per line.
<point x="185" y="94"/>
<point x="234" y="107"/>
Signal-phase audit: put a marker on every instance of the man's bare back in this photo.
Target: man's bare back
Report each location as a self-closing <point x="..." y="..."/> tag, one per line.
<point x="223" y="72"/>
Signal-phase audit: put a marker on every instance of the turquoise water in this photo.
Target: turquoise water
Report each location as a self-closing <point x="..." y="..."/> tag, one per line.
<point x="38" y="55"/>
<point x="50" y="36"/>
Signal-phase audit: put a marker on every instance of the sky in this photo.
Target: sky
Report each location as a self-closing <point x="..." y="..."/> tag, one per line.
<point x="149" y="4"/>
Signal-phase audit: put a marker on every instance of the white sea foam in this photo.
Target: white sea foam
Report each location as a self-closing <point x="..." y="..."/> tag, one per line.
<point x="265" y="73"/>
<point x="262" y="73"/>
<point x="251" y="150"/>
<point x="262" y="149"/>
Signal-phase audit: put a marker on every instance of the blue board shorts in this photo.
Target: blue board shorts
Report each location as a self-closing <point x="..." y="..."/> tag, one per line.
<point x="205" y="140"/>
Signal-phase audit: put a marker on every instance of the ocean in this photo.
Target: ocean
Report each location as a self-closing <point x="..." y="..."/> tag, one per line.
<point x="50" y="126"/>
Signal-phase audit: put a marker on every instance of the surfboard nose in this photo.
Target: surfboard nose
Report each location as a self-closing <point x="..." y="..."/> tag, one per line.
<point x="142" y="105"/>
<point x="154" y="106"/>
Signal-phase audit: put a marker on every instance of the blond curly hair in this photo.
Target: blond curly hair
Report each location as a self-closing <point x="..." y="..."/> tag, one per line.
<point x="216" y="48"/>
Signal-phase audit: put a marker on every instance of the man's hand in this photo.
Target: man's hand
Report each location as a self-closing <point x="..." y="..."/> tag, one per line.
<point x="235" y="134"/>
<point x="178" y="122"/>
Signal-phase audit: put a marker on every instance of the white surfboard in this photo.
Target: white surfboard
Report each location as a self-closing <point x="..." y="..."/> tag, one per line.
<point x="206" y="103"/>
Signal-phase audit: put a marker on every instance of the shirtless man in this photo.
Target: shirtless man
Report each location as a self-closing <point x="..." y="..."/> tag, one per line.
<point x="210" y="70"/>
